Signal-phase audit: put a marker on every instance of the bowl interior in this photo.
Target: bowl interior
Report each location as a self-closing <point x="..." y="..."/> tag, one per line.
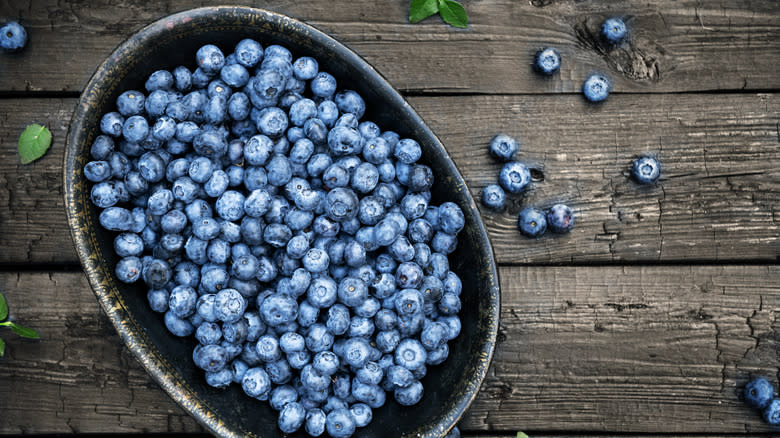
<point x="173" y="41"/>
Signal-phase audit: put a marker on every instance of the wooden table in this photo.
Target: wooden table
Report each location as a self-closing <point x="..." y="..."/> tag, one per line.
<point x="646" y="320"/>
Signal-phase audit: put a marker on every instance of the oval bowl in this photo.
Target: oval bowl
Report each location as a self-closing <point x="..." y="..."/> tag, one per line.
<point x="450" y="388"/>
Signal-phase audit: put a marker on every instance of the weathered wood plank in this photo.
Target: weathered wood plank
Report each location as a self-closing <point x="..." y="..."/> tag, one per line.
<point x="33" y="227"/>
<point x="630" y="349"/>
<point x="717" y="200"/>
<point x="673" y="45"/>
<point x="662" y="349"/>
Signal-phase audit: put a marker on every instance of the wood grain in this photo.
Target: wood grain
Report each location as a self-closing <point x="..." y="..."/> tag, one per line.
<point x="673" y="46"/>
<point x="717" y="199"/>
<point x="611" y="349"/>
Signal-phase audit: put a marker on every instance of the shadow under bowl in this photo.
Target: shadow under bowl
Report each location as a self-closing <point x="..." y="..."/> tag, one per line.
<point x="450" y="387"/>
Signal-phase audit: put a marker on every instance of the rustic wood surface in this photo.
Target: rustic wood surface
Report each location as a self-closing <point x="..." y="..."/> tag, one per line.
<point x="645" y="321"/>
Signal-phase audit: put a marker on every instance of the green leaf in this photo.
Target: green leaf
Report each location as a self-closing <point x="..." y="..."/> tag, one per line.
<point x="2" y="347"/>
<point x="521" y="435"/>
<point x="3" y="307"/>
<point x="421" y="9"/>
<point x="24" y="331"/>
<point x="33" y="143"/>
<point x="453" y="13"/>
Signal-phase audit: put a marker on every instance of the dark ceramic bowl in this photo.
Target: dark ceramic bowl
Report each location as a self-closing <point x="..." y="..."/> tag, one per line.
<point x="449" y="388"/>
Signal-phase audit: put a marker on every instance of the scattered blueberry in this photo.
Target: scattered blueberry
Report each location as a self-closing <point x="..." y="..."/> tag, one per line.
<point x="560" y="218"/>
<point x="531" y="222"/>
<point x="614" y="30"/>
<point x="547" y="61"/>
<point x="646" y="170"/>
<point x="13" y="36"/>
<point x="771" y="413"/>
<point x="596" y="88"/>
<point x="514" y="177"/>
<point x="759" y="393"/>
<point x="503" y="147"/>
<point x="493" y="197"/>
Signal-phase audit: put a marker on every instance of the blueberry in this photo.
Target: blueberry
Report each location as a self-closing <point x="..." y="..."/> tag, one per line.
<point x="319" y="338"/>
<point x="278" y="309"/>
<point x="267" y="348"/>
<point x="349" y="101"/>
<point x="159" y="80"/>
<point x="614" y="30"/>
<point x="493" y="197"/>
<point x="759" y="392"/>
<point x="315" y="422"/>
<point x="503" y="147"/>
<point x="234" y="75"/>
<point x="156" y="103"/>
<point x="451" y="218"/>
<point x="514" y="177"/>
<point x="157" y="273"/>
<point x="449" y="304"/>
<point x="646" y="170"/>
<point x="408" y="275"/>
<point x="230" y="205"/>
<point x="128" y="269"/>
<point x="158" y="300"/>
<point x="596" y="88"/>
<point x="291" y="417"/>
<point x="352" y="291"/>
<point x="323" y="85"/>
<point x="210" y="143"/>
<point x="208" y="333"/>
<point x="771" y="413"/>
<point x="164" y="128"/>
<point x="178" y="326"/>
<point x="101" y="147"/>
<point x="407" y="151"/>
<point x="182" y="78"/>
<point x="116" y="219"/>
<point x="248" y="52"/>
<point x="560" y="218"/>
<point x="340" y="423"/>
<point x="111" y="124"/>
<point x="229" y="305"/>
<point x="282" y="395"/>
<point x="256" y="382"/>
<point x="130" y="103"/>
<point x="362" y="414"/>
<point x="409" y="395"/>
<point x="343" y="140"/>
<point x="547" y="61"/>
<point x="13" y="36"/>
<point x="210" y="59"/>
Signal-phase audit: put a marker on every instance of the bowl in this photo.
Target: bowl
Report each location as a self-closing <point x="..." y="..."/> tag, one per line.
<point x="450" y="388"/>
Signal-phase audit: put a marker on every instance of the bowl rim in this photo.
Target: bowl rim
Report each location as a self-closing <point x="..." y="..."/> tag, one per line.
<point x="110" y="299"/>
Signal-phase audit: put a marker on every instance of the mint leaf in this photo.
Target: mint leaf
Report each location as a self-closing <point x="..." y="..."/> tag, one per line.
<point x="33" y="143"/>
<point x="422" y="9"/>
<point x="453" y="13"/>
<point x="521" y="435"/>
<point x="24" y="331"/>
<point x="2" y="347"/>
<point x="3" y="307"/>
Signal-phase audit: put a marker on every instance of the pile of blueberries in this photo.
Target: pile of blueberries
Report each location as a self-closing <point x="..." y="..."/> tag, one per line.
<point x="513" y="178"/>
<point x="297" y="243"/>
<point x="760" y="394"/>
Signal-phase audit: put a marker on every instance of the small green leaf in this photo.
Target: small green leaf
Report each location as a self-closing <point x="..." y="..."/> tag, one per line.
<point x="33" y="143"/>
<point x="2" y="347"/>
<point x="453" y="13"/>
<point x="3" y="307"/>
<point x="24" y="331"/>
<point x="521" y="435"/>
<point x="421" y="9"/>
